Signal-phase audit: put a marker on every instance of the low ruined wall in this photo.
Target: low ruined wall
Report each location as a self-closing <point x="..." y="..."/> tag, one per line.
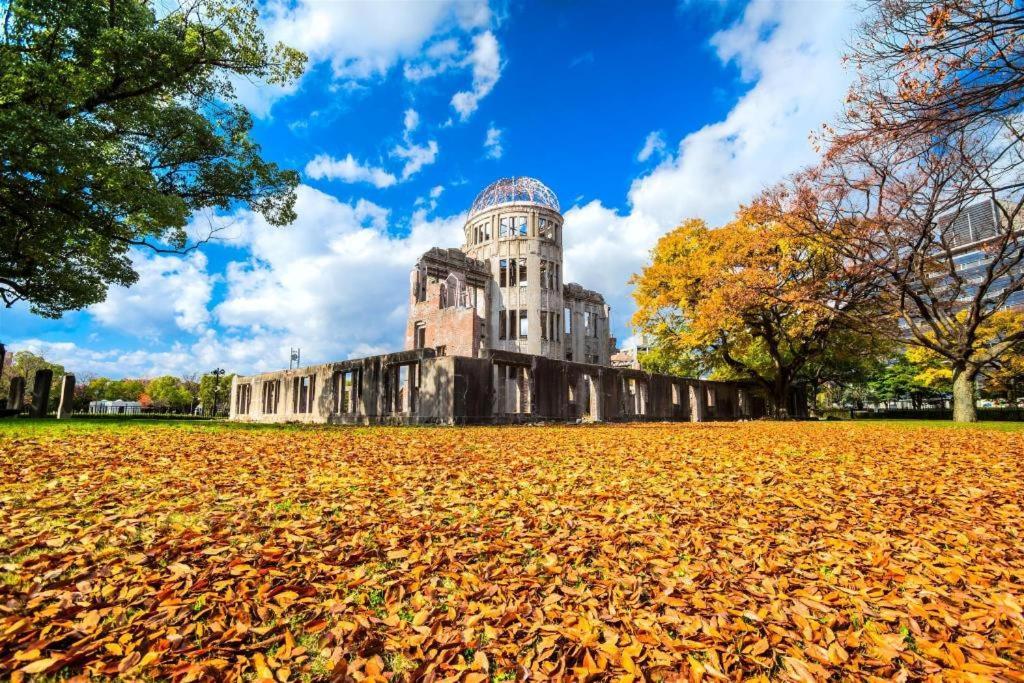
<point x="420" y="387"/>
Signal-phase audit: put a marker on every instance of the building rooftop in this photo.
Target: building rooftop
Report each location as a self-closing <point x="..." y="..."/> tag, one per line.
<point x="514" y="190"/>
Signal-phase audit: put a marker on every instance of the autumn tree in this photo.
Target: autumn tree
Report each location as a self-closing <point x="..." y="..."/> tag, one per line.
<point x="935" y="371"/>
<point x="926" y="168"/>
<point x="118" y="121"/>
<point x="751" y="297"/>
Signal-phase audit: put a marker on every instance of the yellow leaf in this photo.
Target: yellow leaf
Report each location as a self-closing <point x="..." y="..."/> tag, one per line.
<point x="40" y="665"/>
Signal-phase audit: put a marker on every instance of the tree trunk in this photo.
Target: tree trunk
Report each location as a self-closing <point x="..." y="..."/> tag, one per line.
<point x="964" y="409"/>
<point x="780" y="397"/>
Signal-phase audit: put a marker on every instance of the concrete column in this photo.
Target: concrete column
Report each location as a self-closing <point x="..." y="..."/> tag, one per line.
<point x="67" y="397"/>
<point x="16" y="397"/>
<point x="597" y="396"/>
<point x="697" y="402"/>
<point x="41" y="392"/>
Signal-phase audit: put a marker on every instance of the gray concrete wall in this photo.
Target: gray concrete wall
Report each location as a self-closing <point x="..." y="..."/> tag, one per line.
<point x="460" y="390"/>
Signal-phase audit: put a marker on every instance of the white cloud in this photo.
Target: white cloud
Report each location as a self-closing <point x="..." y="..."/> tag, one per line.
<point x="492" y="143"/>
<point x="425" y="205"/>
<point x="348" y="170"/>
<point x="415" y="156"/>
<point x="438" y="58"/>
<point x="792" y="59"/>
<point x="654" y="144"/>
<point x="333" y="283"/>
<point x="486" y="62"/>
<point x="83" y="362"/>
<point x="360" y="40"/>
<point x="411" y="121"/>
<point x="172" y="293"/>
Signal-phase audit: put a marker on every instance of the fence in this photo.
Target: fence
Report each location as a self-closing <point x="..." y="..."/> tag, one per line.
<point x="992" y="414"/>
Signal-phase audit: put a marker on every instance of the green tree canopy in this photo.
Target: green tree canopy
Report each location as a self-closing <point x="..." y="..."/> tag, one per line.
<point x="118" y="122"/>
<point x="169" y="393"/>
<point x="26" y="364"/>
<point x="212" y="391"/>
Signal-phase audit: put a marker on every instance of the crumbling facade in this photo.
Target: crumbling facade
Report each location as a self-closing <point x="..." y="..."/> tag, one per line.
<point x="420" y="386"/>
<point x="494" y="335"/>
<point x="503" y="289"/>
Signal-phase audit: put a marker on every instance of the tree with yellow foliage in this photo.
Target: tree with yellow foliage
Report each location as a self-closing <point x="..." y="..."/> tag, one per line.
<point x="753" y="297"/>
<point x="1002" y="371"/>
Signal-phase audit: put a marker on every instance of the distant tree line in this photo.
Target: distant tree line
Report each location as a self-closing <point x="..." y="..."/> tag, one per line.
<point x="164" y="393"/>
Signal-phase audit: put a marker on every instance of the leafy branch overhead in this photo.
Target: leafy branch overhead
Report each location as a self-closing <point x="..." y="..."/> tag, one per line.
<point x="118" y="122"/>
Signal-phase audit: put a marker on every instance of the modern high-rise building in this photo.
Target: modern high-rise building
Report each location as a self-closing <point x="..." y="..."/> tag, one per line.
<point x="971" y="235"/>
<point x="503" y="289"/>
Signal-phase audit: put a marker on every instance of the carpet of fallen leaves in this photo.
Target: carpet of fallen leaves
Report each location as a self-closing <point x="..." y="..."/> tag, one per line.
<point x="634" y="552"/>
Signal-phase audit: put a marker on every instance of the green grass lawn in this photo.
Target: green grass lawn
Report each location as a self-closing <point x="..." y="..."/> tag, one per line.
<point x="14" y="426"/>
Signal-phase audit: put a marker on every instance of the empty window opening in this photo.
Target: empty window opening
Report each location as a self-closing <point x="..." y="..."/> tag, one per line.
<point x="507" y="272"/>
<point x="243" y="399"/>
<point x="419" y="336"/>
<point x="348" y="390"/>
<point x="544" y="325"/>
<point x="419" y="286"/>
<point x="304" y="389"/>
<point x="546" y="228"/>
<point x="512" y="389"/>
<point x="271" y="393"/>
<point x="405" y="387"/>
<point x="523" y="325"/>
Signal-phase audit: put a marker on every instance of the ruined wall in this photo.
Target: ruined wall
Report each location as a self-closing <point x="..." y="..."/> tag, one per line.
<point x="588" y="339"/>
<point x="422" y="387"/>
<point x="448" y="303"/>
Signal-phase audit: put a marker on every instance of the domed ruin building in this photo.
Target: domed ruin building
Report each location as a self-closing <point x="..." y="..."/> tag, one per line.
<point x="503" y="289"/>
<point x="494" y="334"/>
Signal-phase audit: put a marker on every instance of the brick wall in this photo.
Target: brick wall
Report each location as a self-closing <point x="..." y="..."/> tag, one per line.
<point x="459" y="330"/>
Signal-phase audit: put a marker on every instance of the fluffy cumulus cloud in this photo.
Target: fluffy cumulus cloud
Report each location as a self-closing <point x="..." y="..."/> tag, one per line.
<point x="485" y="60"/>
<point x="791" y="60"/>
<point x="363" y="40"/>
<point x="171" y="295"/>
<point x="85" y="362"/>
<point x="348" y="170"/>
<point x="492" y="143"/>
<point x="335" y="283"/>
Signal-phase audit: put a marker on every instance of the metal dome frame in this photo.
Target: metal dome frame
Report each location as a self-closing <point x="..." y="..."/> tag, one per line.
<point x="512" y="190"/>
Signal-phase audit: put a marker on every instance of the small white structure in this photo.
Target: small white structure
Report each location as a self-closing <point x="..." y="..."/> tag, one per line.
<point x="117" y="407"/>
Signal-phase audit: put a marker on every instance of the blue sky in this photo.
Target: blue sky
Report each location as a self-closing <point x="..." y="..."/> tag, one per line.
<point x="637" y="115"/>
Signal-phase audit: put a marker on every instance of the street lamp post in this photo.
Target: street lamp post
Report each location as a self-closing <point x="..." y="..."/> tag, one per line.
<point x="217" y="374"/>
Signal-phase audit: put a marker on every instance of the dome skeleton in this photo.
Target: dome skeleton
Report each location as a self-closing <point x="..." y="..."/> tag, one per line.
<point x="514" y="190"/>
